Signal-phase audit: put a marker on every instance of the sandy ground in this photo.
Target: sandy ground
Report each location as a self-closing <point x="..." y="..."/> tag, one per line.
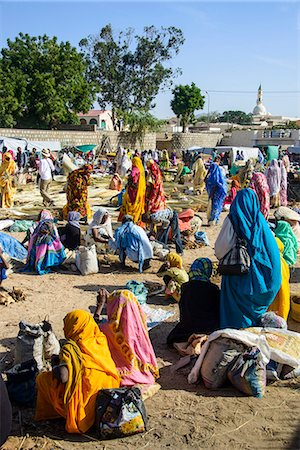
<point x="181" y="416"/>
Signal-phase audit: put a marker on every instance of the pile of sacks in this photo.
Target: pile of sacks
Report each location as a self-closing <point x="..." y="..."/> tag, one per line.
<point x="249" y="358"/>
<point x="35" y="346"/>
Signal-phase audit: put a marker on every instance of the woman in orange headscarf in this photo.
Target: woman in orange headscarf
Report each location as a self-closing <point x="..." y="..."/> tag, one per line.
<point x="133" y="203"/>
<point x="86" y="367"/>
<point x="7" y="190"/>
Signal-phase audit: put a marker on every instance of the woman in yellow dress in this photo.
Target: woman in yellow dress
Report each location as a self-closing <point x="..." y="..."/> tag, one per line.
<point x="7" y="189"/>
<point x="83" y="368"/>
<point x="199" y="175"/>
<point x="281" y="304"/>
<point x="133" y="203"/>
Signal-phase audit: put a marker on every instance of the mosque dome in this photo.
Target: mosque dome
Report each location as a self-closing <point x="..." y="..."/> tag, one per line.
<point x="260" y="110"/>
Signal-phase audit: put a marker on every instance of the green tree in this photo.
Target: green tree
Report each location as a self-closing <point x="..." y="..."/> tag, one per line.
<point x="141" y="122"/>
<point x="42" y="83"/>
<point x="130" y="70"/>
<point x="239" y="117"/>
<point x="187" y="99"/>
<point x="213" y="117"/>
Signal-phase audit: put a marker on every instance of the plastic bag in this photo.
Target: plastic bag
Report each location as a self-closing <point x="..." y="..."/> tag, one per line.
<point x="86" y="260"/>
<point x="248" y="373"/>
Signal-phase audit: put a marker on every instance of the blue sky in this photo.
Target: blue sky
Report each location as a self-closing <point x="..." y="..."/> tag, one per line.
<point x="230" y="46"/>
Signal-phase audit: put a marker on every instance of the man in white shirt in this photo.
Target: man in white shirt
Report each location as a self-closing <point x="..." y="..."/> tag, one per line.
<point x="45" y="171"/>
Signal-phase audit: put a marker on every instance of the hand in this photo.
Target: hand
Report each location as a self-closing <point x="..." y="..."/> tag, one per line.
<point x="102" y="296"/>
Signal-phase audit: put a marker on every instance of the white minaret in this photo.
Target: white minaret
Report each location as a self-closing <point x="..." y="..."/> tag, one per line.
<point x="259" y="109"/>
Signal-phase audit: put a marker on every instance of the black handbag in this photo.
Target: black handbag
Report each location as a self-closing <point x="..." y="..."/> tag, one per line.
<point x="120" y="413"/>
<point x="237" y="261"/>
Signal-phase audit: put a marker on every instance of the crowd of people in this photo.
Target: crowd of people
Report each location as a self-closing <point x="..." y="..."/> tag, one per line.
<point x="119" y="352"/>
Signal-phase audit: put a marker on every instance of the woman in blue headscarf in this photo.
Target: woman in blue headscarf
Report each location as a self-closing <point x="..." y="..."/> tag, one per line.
<point x="216" y="187"/>
<point x="245" y="298"/>
<point x="199" y="304"/>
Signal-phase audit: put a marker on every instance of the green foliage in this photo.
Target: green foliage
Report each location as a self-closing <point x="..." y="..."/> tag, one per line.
<point x="213" y="117"/>
<point x="139" y="123"/>
<point x="239" y="117"/>
<point x="130" y="70"/>
<point x="187" y="99"/>
<point x="42" y="83"/>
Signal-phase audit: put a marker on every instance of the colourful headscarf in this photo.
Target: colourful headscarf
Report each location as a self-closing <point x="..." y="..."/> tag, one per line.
<point x="8" y="165"/>
<point x="285" y="233"/>
<point x="201" y="269"/>
<point x="244" y="299"/>
<point x="45" y="215"/>
<point x="73" y="218"/>
<point x="175" y="260"/>
<point x="128" y="339"/>
<point x="155" y="195"/>
<point x="136" y="208"/>
<point x="216" y="178"/>
<point x="86" y="349"/>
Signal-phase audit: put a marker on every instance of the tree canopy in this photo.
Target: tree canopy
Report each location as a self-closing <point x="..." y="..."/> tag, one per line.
<point x="187" y="99"/>
<point x="239" y="117"/>
<point x="42" y="83"/>
<point x="130" y="70"/>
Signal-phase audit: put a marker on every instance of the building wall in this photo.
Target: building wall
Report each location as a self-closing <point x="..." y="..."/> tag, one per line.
<point x="182" y="141"/>
<point x="70" y="138"/>
<point x="105" y="115"/>
<point x="245" y="138"/>
<point x="240" y="138"/>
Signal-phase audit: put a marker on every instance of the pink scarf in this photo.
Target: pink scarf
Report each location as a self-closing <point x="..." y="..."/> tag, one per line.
<point x="128" y="339"/>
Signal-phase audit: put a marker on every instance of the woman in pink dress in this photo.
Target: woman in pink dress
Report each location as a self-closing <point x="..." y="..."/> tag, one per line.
<point x="260" y="185"/>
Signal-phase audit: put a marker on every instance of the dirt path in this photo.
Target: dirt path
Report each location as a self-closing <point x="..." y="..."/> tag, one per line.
<point x="181" y="416"/>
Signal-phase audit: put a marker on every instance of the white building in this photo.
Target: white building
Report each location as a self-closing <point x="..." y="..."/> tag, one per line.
<point x="98" y="117"/>
<point x="263" y="118"/>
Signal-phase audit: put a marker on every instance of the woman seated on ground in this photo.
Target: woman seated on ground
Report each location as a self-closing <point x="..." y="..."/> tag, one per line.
<point x="235" y="187"/>
<point x="173" y="275"/>
<point x="70" y="235"/>
<point x="100" y="229"/>
<point x="163" y="224"/>
<point x="83" y="367"/>
<point x="127" y="336"/>
<point x="45" y="249"/>
<point x="285" y="233"/>
<point x="291" y="217"/>
<point x="199" y="304"/>
<point x="132" y="241"/>
<point x="245" y="298"/>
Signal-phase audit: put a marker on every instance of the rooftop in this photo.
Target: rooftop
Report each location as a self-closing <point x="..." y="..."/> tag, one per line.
<point x="92" y="113"/>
